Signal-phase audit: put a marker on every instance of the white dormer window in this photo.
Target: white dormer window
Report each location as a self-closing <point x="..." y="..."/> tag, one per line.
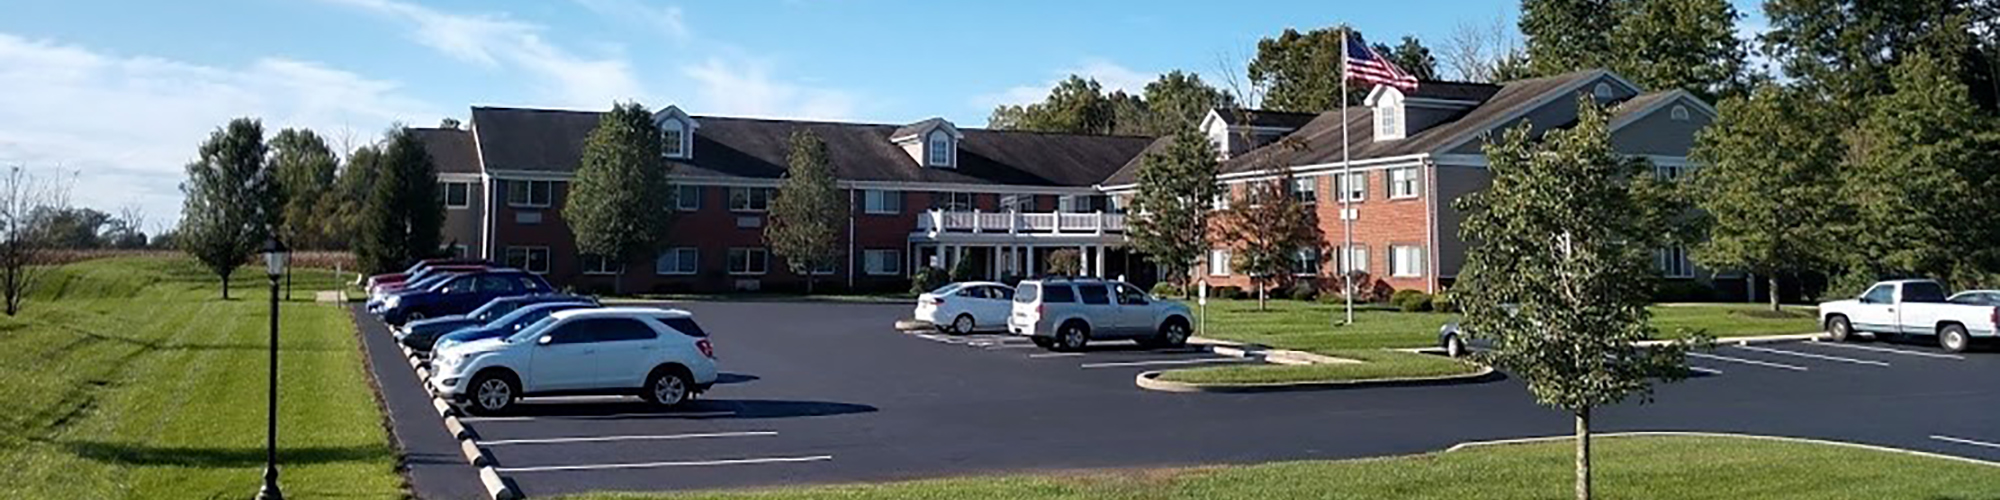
<point x="1390" y="122"/>
<point x="1602" y="92"/>
<point x="1680" y="113"/>
<point x="940" y="153"/>
<point x="674" y="138"/>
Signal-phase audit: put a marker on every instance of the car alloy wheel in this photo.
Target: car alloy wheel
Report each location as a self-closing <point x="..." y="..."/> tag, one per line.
<point x="1952" y="338"/>
<point x="493" y="394"/>
<point x="1175" y="334"/>
<point x="1071" y="338"/>
<point x="668" y="389"/>
<point x="962" y="325"/>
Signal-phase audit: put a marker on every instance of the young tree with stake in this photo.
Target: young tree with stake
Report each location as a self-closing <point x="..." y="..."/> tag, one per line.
<point x="231" y="199"/>
<point x="807" y="214"/>
<point x="1560" y="269"/>
<point x="621" y="204"/>
<point x="1172" y="205"/>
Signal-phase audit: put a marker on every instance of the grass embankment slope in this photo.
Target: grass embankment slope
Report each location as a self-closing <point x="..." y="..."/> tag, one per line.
<point x="131" y="378"/>
<point x="1666" y="468"/>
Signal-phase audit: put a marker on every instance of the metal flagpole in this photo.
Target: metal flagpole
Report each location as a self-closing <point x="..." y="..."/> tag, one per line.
<point x="1346" y="176"/>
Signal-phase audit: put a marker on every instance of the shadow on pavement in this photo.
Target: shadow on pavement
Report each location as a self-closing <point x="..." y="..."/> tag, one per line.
<point x="735" y="378"/>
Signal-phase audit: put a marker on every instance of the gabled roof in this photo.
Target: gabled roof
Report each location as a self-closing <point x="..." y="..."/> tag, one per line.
<point x="1454" y="91"/>
<point x="728" y="147"/>
<point x="911" y="131"/>
<point x="1263" y="118"/>
<point x="451" y="149"/>
<point x="1320" y="139"/>
<point x="1129" y="173"/>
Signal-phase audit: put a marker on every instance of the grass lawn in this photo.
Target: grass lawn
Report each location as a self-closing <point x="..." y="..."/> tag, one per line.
<point x="131" y="378"/>
<point x="1310" y="326"/>
<point x="1626" y="467"/>
<point x="1377" y="364"/>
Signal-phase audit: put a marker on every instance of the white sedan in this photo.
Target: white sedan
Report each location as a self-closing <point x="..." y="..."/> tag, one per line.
<point x="968" y="306"/>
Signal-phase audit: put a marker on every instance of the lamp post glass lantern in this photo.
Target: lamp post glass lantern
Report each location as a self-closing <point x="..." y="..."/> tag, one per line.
<point x="276" y="257"/>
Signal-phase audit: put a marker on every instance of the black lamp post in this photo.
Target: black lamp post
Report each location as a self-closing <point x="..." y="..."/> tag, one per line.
<point x="276" y="259"/>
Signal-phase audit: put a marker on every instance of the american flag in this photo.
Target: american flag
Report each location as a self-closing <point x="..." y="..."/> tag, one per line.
<point x="1363" y="63"/>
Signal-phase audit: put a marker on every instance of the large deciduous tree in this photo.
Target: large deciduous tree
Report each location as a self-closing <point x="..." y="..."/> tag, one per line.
<point x="404" y="216"/>
<point x="1300" y="72"/>
<point x="230" y="199"/>
<point x="807" y="214"/>
<point x="348" y="200"/>
<point x="1679" y="44"/>
<point x="1568" y="35"/>
<point x="1075" y="106"/>
<point x="1769" y="184"/>
<point x="1265" y="228"/>
<point x="1922" y="179"/>
<point x="1180" y="99"/>
<point x="306" y="170"/>
<point x="1560" y="270"/>
<point x="1846" y="48"/>
<point x="1172" y="205"/>
<point x="620" y="205"/>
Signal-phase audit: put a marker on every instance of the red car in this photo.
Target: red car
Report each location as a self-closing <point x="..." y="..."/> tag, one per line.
<point x="380" y="279"/>
<point x="393" y="286"/>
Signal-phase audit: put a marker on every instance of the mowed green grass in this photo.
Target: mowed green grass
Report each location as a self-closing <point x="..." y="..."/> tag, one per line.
<point x="1375" y="364"/>
<point x="132" y="378"/>
<point x="1313" y="327"/>
<point x="1664" y="468"/>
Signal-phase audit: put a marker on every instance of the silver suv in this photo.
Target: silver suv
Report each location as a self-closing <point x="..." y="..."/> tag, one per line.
<point x="1065" y="313"/>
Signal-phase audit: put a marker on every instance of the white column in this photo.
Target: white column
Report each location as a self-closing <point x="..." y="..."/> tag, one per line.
<point x="1100" y="261"/>
<point x="1030" y="257"/>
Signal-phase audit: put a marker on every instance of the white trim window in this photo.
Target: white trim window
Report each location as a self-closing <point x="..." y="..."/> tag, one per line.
<point x="749" y="261"/>
<point x="1073" y="204"/>
<point x="1403" y="182"/>
<point x="938" y="152"/>
<point x="597" y="264"/>
<point x="1353" y="186"/>
<point x="1356" y="261"/>
<point x="881" y="202"/>
<point x="1305" y="262"/>
<point x="1017" y="202"/>
<point x="750" y="199"/>
<point x="1218" y="262"/>
<point x="679" y="261"/>
<point x="532" y="194"/>
<point x="1672" y="262"/>
<point x="455" y="194"/>
<point x="1306" y="190"/>
<point x="674" y="139"/>
<point x="1406" y="261"/>
<point x="952" y="202"/>
<point x="530" y="259"/>
<point x="1389" y="120"/>
<point x="882" y="262"/>
<point x="1669" y="173"/>
<point x="687" y="198"/>
<point x="1221" y="201"/>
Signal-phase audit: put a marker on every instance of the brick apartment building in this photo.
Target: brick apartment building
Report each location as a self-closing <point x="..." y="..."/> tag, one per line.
<point x="931" y="193"/>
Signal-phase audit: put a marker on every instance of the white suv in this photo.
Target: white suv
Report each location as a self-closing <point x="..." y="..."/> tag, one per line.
<point x="1065" y="314"/>
<point x="660" y="355"/>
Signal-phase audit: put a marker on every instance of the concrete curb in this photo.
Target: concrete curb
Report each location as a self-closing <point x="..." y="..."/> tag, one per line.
<point x="497" y="486"/>
<point x="1762" y="437"/>
<point x="910" y="325"/>
<point x="1150" y="381"/>
<point x="444" y="409"/>
<point x="473" y="454"/>
<point x="458" y="428"/>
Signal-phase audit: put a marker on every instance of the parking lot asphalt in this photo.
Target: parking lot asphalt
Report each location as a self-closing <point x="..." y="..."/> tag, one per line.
<point x="827" y="392"/>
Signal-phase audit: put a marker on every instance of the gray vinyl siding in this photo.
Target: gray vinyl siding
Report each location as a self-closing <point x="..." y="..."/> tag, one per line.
<point x="1559" y="112"/>
<point x="1452" y="183"/>
<point x="1659" y="134"/>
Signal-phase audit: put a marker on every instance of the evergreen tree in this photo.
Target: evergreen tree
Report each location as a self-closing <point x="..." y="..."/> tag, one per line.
<point x="1769" y="181"/>
<point x="1265" y="228"/>
<point x="1568" y="35"/>
<point x="808" y="212"/>
<point x="306" y="170"/>
<point x="404" y="215"/>
<point x="620" y="205"/>
<point x="1300" y="72"/>
<point x="1175" y="187"/>
<point x="1560" y="270"/>
<point x="1412" y="56"/>
<point x="231" y="199"/>
<point x="1679" y="44"/>
<point x="1922" y="179"/>
<point x="349" y="198"/>
<point x="1846" y="49"/>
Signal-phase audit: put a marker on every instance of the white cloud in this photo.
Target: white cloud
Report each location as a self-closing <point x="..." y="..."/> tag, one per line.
<point x="502" y="43"/>
<point x="668" y="20"/>
<point x="127" y="125"/>
<point x="743" y="86"/>
<point x="1109" y="75"/>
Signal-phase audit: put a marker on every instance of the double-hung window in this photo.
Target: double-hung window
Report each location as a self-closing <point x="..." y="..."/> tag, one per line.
<point x="749" y="199"/>
<point x="530" y="193"/>
<point x="1305" y="262"/>
<point x="1406" y="261"/>
<point x="1672" y="262"/>
<point x="598" y="264"/>
<point x="749" y="261"/>
<point x="882" y="262"/>
<point x="955" y="202"/>
<point x="881" y="202"/>
<point x="530" y="259"/>
<point x="1403" y="182"/>
<point x="1218" y="262"/>
<point x="678" y="261"/>
<point x="1356" y="259"/>
<point x="455" y="194"/>
<point x="1353" y="187"/>
<point x="673" y="136"/>
<point x="687" y="198"/>
<point x="1306" y="190"/>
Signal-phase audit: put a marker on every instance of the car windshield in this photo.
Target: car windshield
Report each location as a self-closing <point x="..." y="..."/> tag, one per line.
<point x="1027" y="293"/>
<point x="1923" y="291"/>
<point x="531" y="330"/>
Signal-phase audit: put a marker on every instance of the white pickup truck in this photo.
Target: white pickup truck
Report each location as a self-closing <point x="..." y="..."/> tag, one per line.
<point x="1911" y="307"/>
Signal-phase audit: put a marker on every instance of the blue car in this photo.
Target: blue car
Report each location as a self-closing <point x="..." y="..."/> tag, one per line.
<point x="460" y="294"/>
<point x="423" y="280"/>
<point x="420" y="334"/>
<point x="511" y="323"/>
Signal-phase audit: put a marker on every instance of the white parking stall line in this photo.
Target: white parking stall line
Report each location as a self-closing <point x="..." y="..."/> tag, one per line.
<point x="1766" y="364"/>
<point x="1165" y="362"/>
<point x="1054" y="355"/>
<point x="1950" y="439"/>
<point x="1013" y="346"/>
<point x="1813" y="356"/>
<point x="1710" y="371"/>
<point x="600" y="439"/>
<point x="1893" y="351"/>
<point x="703" y="414"/>
<point x="651" y="465"/>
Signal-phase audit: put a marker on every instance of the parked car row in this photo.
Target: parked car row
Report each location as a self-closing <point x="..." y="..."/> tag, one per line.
<point x="1916" y="308"/>
<point x="496" y="335"/>
<point x="1059" y="313"/>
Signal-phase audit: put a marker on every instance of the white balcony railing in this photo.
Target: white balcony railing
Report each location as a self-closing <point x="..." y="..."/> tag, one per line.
<point x="934" y="222"/>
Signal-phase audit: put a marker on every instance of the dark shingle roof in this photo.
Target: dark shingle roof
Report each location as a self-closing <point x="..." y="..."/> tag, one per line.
<point x="1320" y="140"/>
<point x="451" y="150"/>
<point x="1640" y="102"/>
<point x="912" y="129"/>
<point x="541" y="140"/>
<point x="1457" y="91"/>
<point x="1129" y="173"/>
<point x="1263" y="118"/>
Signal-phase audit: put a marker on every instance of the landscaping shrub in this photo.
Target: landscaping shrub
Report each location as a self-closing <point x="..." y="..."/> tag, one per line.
<point x="1442" y="302"/>
<point x="1683" y="291"/>
<point x="961" y="271"/>
<point x="1165" y="289"/>
<point x="927" y="279"/>
<point x="1411" y="300"/>
<point x="1332" y="296"/>
<point x="1226" y="292"/>
<point x="1302" y="291"/>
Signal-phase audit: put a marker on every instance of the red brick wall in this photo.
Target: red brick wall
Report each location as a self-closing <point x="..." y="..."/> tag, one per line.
<point x="1382" y="222"/>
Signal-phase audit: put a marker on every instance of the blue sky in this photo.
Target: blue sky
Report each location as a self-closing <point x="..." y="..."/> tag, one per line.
<point x="121" y="92"/>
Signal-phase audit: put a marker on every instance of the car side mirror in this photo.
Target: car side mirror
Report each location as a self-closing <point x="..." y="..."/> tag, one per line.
<point x="545" y="340"/>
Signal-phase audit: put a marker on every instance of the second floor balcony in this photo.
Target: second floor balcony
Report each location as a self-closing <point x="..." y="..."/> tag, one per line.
<point x="934" y="222"/>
